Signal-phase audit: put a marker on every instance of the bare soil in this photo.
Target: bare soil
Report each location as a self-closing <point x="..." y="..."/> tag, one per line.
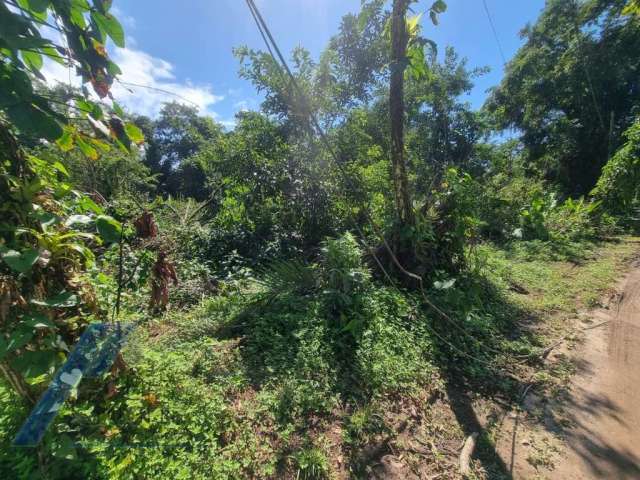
<point x="592" y="431"/>
<point x="603" y="440"/>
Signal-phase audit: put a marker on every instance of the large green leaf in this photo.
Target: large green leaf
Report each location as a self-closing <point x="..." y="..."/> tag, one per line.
<point x="114" y="70"/>
<point x="18" y="339"/>
<point x="61" y="300"/>
<point x="37" y="321"/>
<point x="81" y="5"/>
<point x="56" y="165"/>
<point x="15" y="85"/>
<point x="37" y="5"/>
<point x="33" y="364"/>
<point x="32" y="59"/>
<point x="32" y="120"/>
<point x="103" y="5"/>
<point x="21" y="261"/>
<point x="134" y="133"/>
<point x="54" y="55"/>
<point x="88" y="205"/>
<point x="86" y="149"/>
<point x="76" y="13"/>
<point x="109" y="229"/>
<point x="111" y="26"/>
<point x="65" y="142"/>
<point x="89" y="107"/>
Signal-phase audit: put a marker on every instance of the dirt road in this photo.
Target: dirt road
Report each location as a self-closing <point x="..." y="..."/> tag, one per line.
<point x="603" y="436"/>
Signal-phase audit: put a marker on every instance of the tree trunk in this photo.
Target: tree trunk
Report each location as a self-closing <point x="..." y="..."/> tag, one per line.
<point x="399" y="39"/>
<point x="15" y="380"/>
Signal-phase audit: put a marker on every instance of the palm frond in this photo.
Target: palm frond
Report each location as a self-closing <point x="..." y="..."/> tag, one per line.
<point x="288" y="276"/>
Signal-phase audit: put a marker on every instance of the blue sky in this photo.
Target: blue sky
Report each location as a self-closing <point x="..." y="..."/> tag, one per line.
<point x="185" y="47"/>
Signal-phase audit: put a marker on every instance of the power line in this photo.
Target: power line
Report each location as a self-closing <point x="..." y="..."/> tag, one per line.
<point x="495" y="32"/>
<point x="156" y="89"/>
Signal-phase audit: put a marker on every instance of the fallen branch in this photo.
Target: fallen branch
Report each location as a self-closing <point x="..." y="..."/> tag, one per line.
<point x="526" y="391"/>
<point x="529" y="385"/>
<point x="595" y="326"/>
<point x="466" y="454"/>
<point x="548" y="350"/>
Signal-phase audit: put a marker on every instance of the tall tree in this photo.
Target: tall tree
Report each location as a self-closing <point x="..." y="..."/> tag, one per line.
<point x="573" y="89"/>
<point x="399" y="41"/>
<point x="442" y="128"/>
<point x="178" y="134"/>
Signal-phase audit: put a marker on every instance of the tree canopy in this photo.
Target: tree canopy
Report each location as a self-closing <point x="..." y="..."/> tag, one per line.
<point x="572" y="89"/>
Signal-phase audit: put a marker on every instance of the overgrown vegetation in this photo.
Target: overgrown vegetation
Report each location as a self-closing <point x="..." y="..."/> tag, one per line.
<point x="281" y="333"/>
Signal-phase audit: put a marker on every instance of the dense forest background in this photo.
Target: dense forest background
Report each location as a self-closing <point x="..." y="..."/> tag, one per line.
<point x="273" y="234"/>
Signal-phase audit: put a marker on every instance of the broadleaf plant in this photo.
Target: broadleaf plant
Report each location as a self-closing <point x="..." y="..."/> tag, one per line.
<point x="49" y="232"/>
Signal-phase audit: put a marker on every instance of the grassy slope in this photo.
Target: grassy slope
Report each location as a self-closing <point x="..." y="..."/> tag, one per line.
<point x="252" y="385"/>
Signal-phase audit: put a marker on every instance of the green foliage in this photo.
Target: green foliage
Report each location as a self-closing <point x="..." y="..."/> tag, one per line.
<point x="85" y="27"/>
<point x="572" y="114"/>
<point x="48" y="229"/>
<point x="632" y="8"/>
<point x="342" y="268"/>
<point x="312" y="463"/>
<point x="288" y="276"/>
<point x="618" y="187"/>
<point x="504" y="196"/>
<point x="518" y="205"/>
<point x="416" y="54"/>
<point x="575" y="219"/>
<point x="49" y="234"/>
<point x="109" y="229"/>
<point x="546" y="219"/>
<point x="443" y="130"/>
<point x="174" y="143"/>
<point x="533" y="217"/>
<point x="448" y="222"/>
<point x="113" y="175"/>
<point x="14" y="464"/>
<point x="280" y="332"/>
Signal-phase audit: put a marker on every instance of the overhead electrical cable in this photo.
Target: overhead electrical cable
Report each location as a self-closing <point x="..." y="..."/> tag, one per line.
<point x="495" y="32"/>
<point x="156" y="89"/>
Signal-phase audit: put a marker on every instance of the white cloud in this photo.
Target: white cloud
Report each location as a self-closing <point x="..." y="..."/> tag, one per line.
<point x="54" y="73"/>
<point x="241" y="106"/>
<point x="126" y="20"/>
<point x="140" y="68"/>
<point x="145" y="84"/>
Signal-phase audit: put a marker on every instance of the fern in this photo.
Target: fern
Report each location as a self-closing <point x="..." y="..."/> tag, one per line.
<point x="288" y="276"/>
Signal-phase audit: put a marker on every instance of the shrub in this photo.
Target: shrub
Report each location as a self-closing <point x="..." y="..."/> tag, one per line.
<point x="533" y="218"/>
<point x="343" y="275"/>
<point x="447" y="223"/>
<point x="619" y="184"/>
<point x="311" y="463"/>
<point x="502" y="200"/>
<point x="573" y="219"/>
